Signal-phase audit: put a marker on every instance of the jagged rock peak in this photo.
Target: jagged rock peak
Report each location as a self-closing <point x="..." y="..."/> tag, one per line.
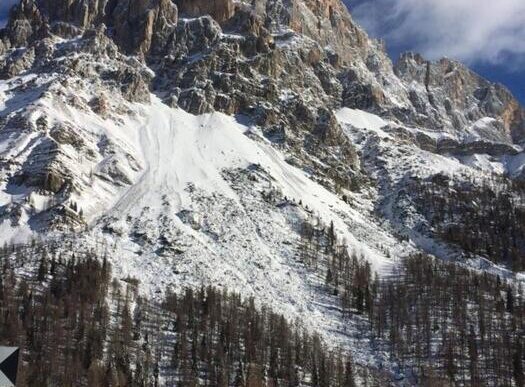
<point x="327" y="21"/>
<point x="454" y="91"/>
<point x="135" y="24"/>
<point x="258" y="39"/>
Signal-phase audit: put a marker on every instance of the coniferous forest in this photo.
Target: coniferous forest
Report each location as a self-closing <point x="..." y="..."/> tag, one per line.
<point x="487" y="219"/>
<point x="450" y="325"/>
<point x="78" y="325"/>
<point x="444" y="324"/>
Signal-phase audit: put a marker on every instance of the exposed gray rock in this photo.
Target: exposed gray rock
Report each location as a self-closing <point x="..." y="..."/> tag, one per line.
<point x="286" y="65"/>
<point x="140" y="25"/>
<point x="26" y="24"/>
<point x="447" y="94"/>
<point x="18" y="62"/>
<point x="136" y="24"/>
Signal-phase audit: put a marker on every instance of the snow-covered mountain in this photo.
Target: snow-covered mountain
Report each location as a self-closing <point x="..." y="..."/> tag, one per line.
<point x="192" y="139"/>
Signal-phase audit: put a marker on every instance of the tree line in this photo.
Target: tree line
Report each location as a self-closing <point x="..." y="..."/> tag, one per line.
<point x="346" y="274"/>
<point x="444" y="324"/>
<point x="78" y="325"/>
<point x="485" y="217"/>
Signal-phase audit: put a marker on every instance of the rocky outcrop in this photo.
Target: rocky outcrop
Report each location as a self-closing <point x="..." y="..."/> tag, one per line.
<point x="142" y="24"/>
<point x="137" y="24"/>
<point x="26" y="23"/>
<point x="446" y="94"/>
<point x="284" y="64"/>
<point x="83" y="13"/>
<point x="219" y="10"/>
<point x="18" y="63"/>
<point x="329" y="23"/>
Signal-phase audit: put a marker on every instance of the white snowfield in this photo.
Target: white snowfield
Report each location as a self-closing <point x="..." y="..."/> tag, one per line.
<point x="197" y="216"/>
<point x="210" y="202"/>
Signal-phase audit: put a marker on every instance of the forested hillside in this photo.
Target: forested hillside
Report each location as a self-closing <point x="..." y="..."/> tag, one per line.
<point x="77" y="325"/>
<point x="485" y="217"/>
<point x="452" y="325"/>
<point x="444" y="324"/>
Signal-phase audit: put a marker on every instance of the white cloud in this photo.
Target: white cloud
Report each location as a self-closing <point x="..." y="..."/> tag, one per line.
<point x="474" y="31"/>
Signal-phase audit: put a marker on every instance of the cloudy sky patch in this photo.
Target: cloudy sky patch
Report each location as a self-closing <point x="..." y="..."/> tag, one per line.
<point x="473" y="31"/>
<point x="488" y="35"/>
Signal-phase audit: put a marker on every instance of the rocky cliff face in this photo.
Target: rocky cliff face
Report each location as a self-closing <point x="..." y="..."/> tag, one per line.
<point x="446" y="95"/>
<point x="135" y="25"/>
<point x="283" y="65"/>
<point x="312" y="48"/>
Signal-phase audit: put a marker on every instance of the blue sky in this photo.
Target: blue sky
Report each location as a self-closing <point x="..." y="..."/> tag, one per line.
<point x="487" y="35"/>
<point x="5" y="5"/>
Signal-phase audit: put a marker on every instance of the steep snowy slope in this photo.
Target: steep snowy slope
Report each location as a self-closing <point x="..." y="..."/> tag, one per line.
<point x="206" y="199"/>
<point x="217" y="204"/>
<point x="393" y="157"/>
<point x="62" y="163"/>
